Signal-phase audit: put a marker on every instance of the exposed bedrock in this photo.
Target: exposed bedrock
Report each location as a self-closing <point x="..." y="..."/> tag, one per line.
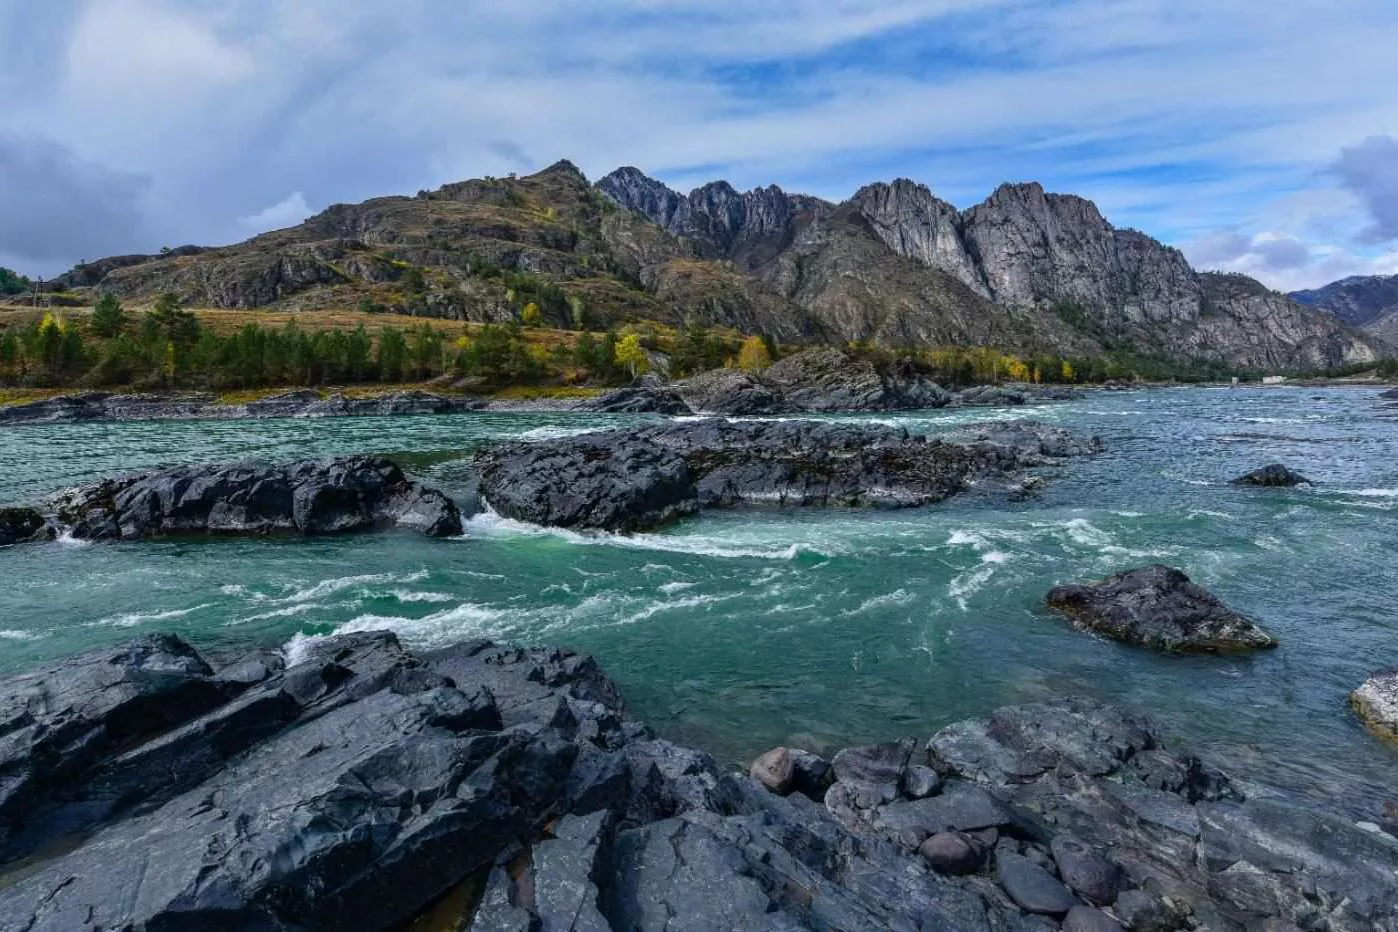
<point x="1274" y="475"/>
<point x="355" y="784"/>
<point x="1160" y="607"/>
<point x="330" y="496"/>
<point x="640" y="479"/>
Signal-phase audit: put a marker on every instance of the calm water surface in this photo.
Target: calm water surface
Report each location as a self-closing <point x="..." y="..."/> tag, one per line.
<point x="741" y="630"/>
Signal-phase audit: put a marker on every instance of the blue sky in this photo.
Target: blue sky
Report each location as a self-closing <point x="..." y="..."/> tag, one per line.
<point x="1258" y="137"/>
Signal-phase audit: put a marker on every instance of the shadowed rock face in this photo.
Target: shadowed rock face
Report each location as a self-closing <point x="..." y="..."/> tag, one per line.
<point x="21" y="525"/>
<point x="1158" y="606"/>
<point x="331" y="496"/>
<point x="355" y="784"/>
<point x="640" y="479"/>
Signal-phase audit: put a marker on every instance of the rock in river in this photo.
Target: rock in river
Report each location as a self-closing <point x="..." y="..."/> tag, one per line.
<point x="1376" y="703"/>
<point x="1274" y="475"/>
<point x="639" y="479"/>
<point x="1158" y="606"/>
<point x="330" y="496"/>
<point x="21" y="525"/>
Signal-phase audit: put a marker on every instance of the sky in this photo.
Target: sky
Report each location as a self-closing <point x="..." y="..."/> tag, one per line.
<point x="1257" y="137"/>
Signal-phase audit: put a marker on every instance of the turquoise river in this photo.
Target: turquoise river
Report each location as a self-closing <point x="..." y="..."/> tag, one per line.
<point x="737" y="631"/>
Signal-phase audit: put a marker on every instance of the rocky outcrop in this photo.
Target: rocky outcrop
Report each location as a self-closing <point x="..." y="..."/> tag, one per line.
<point x="646" y="396"/>
<point x="101" y="406"/>
<point x="1274" y="475"/>
<point x="1376" y="703"/>
<point x="1159" y="607"/>
<point x="355" y="784"/>
<point x="641" y="479"/>
<point x="1030" y="443"/>
<point x="22" y="525"/>
<point x="731" y="392"/>
<point x="333" y="496"/>
<point x="831" y="380"/>
<point x="917" y="224"/>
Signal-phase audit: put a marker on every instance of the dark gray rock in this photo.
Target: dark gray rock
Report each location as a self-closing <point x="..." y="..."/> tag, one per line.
<point x="1159" y="607"/>
<point x="989" y="396"/>
<point x="831" y="380"/>
<point x="730" y="392"/>
<point x="1142" y="912"/>
<point x="1273" y="475"/>
<point x="100" y="406"/>
<point x="920" y="781"/>
<point x="960" y="808"/>
<point x="22" y="526"/>
<point x="1376" y="703"/>
<point x="1031" y="887"/>
<point x="1032" y="443"/>
<point x="1087" y="919"/>
<point x="565" y="872"/>
<point x="811" y="775"/>
<point x="646" y="396"/>
<point x="639" y="479"/>
<point x="871" y="775"/>
<point x="330" y="496"/>
<point x="952" y="853"/>
<point x="1093" y="876"/>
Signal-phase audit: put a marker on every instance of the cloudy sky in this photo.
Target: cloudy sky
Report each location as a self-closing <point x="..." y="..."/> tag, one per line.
<point x="1259" y="137"/>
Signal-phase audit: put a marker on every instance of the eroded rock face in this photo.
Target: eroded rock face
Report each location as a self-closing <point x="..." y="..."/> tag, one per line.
<point x="1158" y="606"/>
<point x="313" y="497"/>
<point x="640" y="479"/>
<point x="1376" y="703"/>
<point x="1273" y="475"/>
<point x="731" y="391"/>
<point x="831" y="380"/>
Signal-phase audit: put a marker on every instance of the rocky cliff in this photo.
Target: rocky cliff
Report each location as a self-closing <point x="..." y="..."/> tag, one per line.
<point x="1358" y="300"/>
<point x="895" y="265"/>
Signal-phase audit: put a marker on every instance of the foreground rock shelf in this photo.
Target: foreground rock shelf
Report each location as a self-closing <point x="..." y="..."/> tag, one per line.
<point x="364" y="786"/>
<point x="635" y="480"/>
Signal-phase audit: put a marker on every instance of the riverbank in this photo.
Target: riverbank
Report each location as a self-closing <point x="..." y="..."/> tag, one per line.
<point x="350" y="782"/>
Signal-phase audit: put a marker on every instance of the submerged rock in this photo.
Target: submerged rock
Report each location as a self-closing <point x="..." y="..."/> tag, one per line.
<point x="1376" y="703"/>
<point x="22" y="525"/>
<point x="1273" y="475"/>
<point x="330" y="496"/>
<point x="1159" y="607"/>
<point x="640" y="479"/>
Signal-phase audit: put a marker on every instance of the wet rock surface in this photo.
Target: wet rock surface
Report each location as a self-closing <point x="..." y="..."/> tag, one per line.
<point x="1376" y="703"/>
<point x="102" y="406"/>
<point x="732" y="392"/>
<point x="1273" y="475"/>
<point x="356" y="784"/>
<point x="329" y="496"/>
<point x="642" y="478"/>
<point x="1158" y="607"/>
<point x="22" y="525"/>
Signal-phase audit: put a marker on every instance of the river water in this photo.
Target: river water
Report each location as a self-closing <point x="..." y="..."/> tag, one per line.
<point x="737" y="631"/>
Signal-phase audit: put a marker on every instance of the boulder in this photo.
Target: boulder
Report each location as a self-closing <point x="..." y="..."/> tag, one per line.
<point x="1034" y="889"/>
<point x="730" y="392"/>
<point x="952" y="853"/>
<point x="330" y="496"/>
<point x="988" y="396"/>
<point x="1087" y="919"/>
<point x="1092" y="875"/>
<point x="1376" y="703"/>
<point x="1158" y="607"/>
<point x="645" y="396"/>
<point x="775" y="770"/>
<point x="1273" y="475"/>
<point x="23" y="525"/>
<point x="1031" y="443"/>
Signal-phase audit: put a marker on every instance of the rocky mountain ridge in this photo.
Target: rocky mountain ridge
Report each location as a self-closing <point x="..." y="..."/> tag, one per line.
<point x="1026" y="270"/>
<point x="1369" y="302"/>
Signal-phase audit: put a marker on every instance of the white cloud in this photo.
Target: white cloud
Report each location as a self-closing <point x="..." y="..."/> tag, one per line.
<point x="285" y="213"/>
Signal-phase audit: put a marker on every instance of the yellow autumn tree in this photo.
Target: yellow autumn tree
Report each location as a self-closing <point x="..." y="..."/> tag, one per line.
<point x="1068" y="373"/>
<point x="631" y="355"/>
<point x="753" y="356"/>
<point x="530" y="314"/>
<point x="1016" y="369"/>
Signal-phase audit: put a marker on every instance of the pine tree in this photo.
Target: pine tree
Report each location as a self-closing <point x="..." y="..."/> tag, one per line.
<point x="172" y="322"/>
<point x="108" y="316"/>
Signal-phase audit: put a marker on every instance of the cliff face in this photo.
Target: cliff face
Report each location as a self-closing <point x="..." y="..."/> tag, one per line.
<point x="1025" y="270"/>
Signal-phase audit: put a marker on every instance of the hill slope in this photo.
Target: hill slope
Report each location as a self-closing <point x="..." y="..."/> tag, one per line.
<point x="894" y="265"/>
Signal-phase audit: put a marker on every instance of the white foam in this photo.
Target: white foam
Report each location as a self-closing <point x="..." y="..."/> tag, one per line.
<point x="332" y="586"/>
<point x="407" y="595"/>
<point x="9" y="634"/>
<point x="287" y="612"/>
<point x="1081" y="531"/>
<point x="670" y="588"/>
<point x="490" y="524"/>
<point x="132" y="619"/>
<point x="1373" y="493"/>
<point x="295" y="651"/>
<point x="897" y="597"/>
<point x="555" y="433"/>
<point x="650" y="611"/>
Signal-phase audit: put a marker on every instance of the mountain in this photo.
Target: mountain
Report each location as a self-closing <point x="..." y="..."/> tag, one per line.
<point x="894" y="265"/>
<point x="1357" y="300"/>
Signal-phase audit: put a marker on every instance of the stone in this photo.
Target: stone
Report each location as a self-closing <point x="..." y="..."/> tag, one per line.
<point x="920" y="781"/>
<point x="775" y="770"/>
<point x="1031" y="443"/>
<point x="23" y="525"/>
<point x="1273" y="475"/>
<point x="952" y="853"/>
<point x="101" y="406"/>
<point x="873" y="772"/>
<point x="730" y="392"/>
<point x="644" y="397"/>
<point x="1376" y="703"/>
<point x="331" y="496"/>
<point x="1032" y="888"/>
<point x="832" y="380"/>
<point x="1087" y="919"/>
<point x="811" y="775"/>
<point x="1159" y="607"/>
<point x="989" y="396"/>
<point x="1087" y="872"/>
<point x="1142" y="912"/>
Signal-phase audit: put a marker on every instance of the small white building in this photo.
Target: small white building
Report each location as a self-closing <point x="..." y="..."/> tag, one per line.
<point x="1273" y="379"/>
